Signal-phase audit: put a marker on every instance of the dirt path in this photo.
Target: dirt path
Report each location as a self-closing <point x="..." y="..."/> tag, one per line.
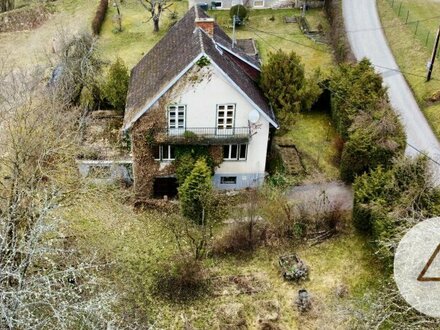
<point x="336" y="192"/>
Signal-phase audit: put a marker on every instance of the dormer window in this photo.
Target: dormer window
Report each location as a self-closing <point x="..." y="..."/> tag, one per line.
<point x="176" y="116"/>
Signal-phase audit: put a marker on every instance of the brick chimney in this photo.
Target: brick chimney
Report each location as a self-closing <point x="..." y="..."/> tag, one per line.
<point x="206" y="24"/>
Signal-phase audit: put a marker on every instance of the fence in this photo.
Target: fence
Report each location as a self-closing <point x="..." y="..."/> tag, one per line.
<point x="425" y="35"/>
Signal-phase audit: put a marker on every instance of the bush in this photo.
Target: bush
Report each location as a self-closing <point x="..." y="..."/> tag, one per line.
<point x="194" y="192"/>
<point x="235" y="239"/>
<point x="388" y="202"/>
<point x="355" y="89"/>
<point x="284" y="84"/>
<point x="186" y="158"/>
<point x="180" y="278"/>
<point x="99" y="16"/>
<point x="116" y="87"/>
<point x="240" y="12"/>
<point x="371" y="130"/>
<point x="375" y="140"/>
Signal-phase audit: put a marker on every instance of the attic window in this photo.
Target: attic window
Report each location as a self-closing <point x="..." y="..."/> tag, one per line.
<point x="258" y="3"/>
<point x="176" y="116"/>
<point x="225" y="116"/>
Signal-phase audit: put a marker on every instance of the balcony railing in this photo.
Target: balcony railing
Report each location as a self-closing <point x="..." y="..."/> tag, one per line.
<point x="203" y="135"/>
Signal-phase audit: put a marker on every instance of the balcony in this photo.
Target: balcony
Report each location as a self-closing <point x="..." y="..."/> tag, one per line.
<point x="203" y="135"/>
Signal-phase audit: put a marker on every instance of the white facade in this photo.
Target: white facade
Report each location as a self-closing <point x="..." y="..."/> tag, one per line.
<point x="203" y="92"/>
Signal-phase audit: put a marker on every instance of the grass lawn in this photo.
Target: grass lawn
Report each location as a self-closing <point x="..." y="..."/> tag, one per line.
<point x="314" y="136"/>
<point x="29" y="48"/>
<point x="135" y="241"/>
<point x="137" y="36"/>
<point x="410" y="50"/>
<point x="271" y="33"/>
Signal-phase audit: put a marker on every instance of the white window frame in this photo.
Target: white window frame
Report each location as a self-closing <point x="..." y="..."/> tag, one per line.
<point x="161" y="153"/>
<point x="225" y="112"/>
<point x="262" y="6"/>
<point x="179" y="117"/>
<point x="239" y="147"/>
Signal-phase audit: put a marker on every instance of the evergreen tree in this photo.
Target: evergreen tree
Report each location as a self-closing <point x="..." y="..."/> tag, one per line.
<point x="195" y="193"/>
<point x="285" y="85"/>
<point x="355" y="88"/>
<point x="116" y="87"/>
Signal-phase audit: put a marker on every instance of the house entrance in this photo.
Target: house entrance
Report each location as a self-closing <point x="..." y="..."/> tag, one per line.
<point x="165" y="186"/>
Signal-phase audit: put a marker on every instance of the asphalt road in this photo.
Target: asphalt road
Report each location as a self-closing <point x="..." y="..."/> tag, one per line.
<point x="367" y="39"/>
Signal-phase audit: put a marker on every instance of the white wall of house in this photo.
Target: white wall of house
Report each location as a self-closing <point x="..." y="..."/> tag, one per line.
<point x="201" y="90"/>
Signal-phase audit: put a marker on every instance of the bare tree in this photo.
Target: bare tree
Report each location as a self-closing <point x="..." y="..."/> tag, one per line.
<point x="6" y="5"/>
<point x="155" y="8"/>
<point x="44" y="281"/>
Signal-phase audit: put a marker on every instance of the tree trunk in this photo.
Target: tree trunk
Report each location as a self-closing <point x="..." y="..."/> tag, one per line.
<point x="156" y="24"/>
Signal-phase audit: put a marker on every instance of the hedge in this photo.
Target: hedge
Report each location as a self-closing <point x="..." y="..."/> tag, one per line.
<point x="99" y="16"/>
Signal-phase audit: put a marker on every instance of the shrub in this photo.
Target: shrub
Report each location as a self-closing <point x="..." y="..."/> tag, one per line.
<point x="284" y="84"/>
<point x="194" y="192"/>
<point x="355" y="88"/>
<point x="186" y="158"/>
<point x="388" y="202"/>
<point x="180" y="278"/>
<point x="235" y="239"/>
<point x="116" y="87"/>
<point x="375" y="139"/>
<point x="240" y="12"/>
<point x="99" y="16"/>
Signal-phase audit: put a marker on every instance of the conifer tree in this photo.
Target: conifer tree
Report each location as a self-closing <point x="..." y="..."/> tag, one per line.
<point x="284" y="83"/>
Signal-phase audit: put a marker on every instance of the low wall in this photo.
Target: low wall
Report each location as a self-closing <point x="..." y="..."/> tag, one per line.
<point x="106" y="171"/>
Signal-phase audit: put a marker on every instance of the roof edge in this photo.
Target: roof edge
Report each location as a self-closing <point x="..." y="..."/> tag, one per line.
<point x="238" y="56"/>
<point x="270" y="120"/>
<point x="162" y="92"/>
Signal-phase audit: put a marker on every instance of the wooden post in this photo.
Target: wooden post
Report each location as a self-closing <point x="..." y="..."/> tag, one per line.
<point x="427" y="38"/>
<point x="400" y="8"/>
<point x="407" y="15"/>
<point x="434" y="53"/>
<point x="417" y="27"/>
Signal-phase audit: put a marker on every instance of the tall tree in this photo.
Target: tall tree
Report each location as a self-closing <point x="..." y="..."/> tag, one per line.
<point x="285" y="85"/>
<point x="155" y="8"/>
<point x="116" y="87"/>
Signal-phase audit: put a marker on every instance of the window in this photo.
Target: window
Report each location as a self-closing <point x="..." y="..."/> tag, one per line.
<point x="217" y="4"/>
<point x="225" y="116"/>
<point x="164" y="153"/>
<point x="258" y="3"/>
<point x="235" y="151"/>
<point x="228" y="180"/>
<point x="176" y="116"/>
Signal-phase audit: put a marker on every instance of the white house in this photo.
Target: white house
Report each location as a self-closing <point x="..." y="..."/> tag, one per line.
<point x="195" y="87"/>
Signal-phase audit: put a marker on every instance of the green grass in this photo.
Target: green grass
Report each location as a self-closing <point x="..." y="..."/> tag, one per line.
<point x="314" y="135"/>
<point x="411" y="52"/>
<point x="134" y="242"/>
<point x="137" y="36"/>
<point x="28" y="48"/>
<point x="275" y="34"/>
